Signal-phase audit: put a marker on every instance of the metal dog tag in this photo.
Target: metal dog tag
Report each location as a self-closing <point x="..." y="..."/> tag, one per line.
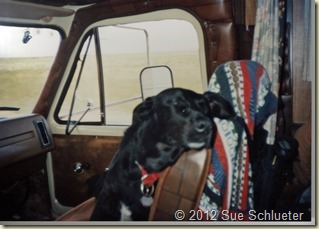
<point x="147" y="201"/>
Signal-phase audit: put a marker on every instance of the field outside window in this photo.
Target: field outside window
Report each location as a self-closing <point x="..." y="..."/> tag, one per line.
<point x="26" y="56"/>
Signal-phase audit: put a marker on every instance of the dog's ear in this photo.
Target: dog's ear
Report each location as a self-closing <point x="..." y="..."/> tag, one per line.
<point x="219" y="107"/>
<point x="142" y="111"/>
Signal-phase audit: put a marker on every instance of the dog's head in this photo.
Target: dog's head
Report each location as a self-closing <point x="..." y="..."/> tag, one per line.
<point x="178" y="120"/>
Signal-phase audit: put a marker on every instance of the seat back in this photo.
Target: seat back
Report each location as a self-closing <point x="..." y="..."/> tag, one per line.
<point x="180" y="186"/>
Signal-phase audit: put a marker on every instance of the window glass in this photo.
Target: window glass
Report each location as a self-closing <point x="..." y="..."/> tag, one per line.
<point x="26" y="56"/>
<point x="125" y="50"/>
<point x="124" y="55"/>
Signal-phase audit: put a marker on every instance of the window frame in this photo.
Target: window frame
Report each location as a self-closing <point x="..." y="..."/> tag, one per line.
<point x="70" y="78"/>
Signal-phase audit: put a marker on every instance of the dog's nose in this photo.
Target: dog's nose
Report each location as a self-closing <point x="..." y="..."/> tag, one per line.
<point x="202" y="125"/>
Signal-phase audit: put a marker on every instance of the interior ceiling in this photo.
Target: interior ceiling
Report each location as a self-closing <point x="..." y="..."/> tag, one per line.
<point x="63" y="2"/>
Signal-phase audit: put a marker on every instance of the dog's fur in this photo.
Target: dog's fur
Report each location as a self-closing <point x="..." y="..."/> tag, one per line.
<point x="164" y="126"/>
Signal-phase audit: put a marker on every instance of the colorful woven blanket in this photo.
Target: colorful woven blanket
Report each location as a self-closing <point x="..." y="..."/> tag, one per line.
<point x="229" y="188"/>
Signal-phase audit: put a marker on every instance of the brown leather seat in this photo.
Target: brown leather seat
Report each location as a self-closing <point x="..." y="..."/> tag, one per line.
<point x="179" y="188"/>
<point x="82" y="212"/>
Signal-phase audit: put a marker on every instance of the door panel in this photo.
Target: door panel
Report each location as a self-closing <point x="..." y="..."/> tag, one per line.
<point x="71" y="188"/>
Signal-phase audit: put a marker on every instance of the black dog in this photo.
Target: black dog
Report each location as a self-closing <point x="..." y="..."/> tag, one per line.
<point x="164" y="126"/>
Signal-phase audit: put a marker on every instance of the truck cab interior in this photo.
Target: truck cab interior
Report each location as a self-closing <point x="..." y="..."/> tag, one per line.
<point x="72" y="71"/>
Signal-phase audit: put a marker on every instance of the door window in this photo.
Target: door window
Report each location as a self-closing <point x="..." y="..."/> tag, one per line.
<point x="106" y="85"/>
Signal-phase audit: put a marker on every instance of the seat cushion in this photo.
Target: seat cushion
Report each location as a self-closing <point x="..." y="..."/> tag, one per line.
<point x="81" y="212"/>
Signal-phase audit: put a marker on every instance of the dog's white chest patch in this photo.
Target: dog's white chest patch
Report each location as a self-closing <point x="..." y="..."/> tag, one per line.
<point x="125" y="213"/>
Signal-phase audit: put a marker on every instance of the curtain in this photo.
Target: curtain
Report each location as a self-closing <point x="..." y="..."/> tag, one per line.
<point x="266" y="46"/>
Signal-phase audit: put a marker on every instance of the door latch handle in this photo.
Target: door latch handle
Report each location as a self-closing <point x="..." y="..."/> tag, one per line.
<point x="79" y="167"/>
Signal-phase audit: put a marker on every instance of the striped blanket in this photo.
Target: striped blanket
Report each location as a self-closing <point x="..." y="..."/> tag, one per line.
<point x="229" y="188"/>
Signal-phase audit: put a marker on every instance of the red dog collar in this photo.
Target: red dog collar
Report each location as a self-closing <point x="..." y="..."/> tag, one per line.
<point x="148" y="179"/>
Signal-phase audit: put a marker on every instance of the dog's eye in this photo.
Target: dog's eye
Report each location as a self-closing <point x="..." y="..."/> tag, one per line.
<point x="182" y="108"/>
<point x="185" y="109"/>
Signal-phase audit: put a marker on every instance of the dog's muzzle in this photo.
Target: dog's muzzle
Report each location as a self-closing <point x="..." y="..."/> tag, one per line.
<point x="201" y="134"/>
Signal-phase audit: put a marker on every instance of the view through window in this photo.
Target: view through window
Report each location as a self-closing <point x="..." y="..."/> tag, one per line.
<point x="26" y="56"/>
<point x="125" y="50"/>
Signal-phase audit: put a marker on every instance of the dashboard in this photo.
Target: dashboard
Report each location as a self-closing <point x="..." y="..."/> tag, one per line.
<point x="24" y="142"/>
